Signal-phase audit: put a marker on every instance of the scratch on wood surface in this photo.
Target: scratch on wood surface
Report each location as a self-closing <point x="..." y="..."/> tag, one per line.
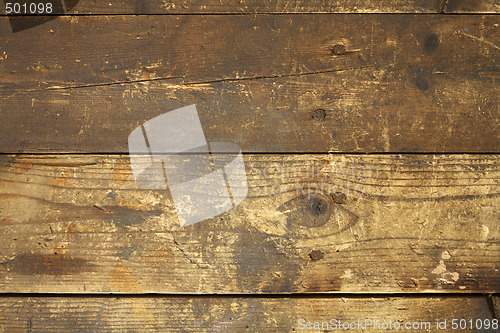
<point x="195" y="83"/>
<point x="189" y="257"/>
<point x="482" y="40"/>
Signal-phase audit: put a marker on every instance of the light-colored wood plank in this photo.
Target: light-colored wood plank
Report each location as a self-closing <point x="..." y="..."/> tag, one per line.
<point x="229" y="314"/>
<point x="410" y="223"/>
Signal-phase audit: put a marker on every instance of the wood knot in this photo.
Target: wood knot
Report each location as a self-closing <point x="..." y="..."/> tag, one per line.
<point x="421" y="84"/>
<point x="311" y="210"/>
<point x="317" y="206"/>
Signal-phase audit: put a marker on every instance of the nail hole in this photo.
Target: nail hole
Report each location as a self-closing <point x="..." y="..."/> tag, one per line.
<point x="339" y="49"/>
<point x="316" y="255"/>
<point x="319" y="114"/>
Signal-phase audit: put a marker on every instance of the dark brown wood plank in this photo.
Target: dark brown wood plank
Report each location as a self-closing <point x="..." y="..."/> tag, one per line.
<point x="250" y="7"/>
<point x="112" y="7"/>
<point x="65" y="52"/>
<point x="495" y="305"/>
<point x="231" y="314"/>
<point x="410" y="223"/>
<point x="359" y="111"/>
<point x="471" y="6"/>
<point x="405" y="83"/>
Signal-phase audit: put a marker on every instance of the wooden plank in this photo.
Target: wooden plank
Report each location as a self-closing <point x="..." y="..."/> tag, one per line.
<point x="357" y="113"/>
<point x="142" y="7"/>
<point x="350" y="111"/>
<point x="148" y="7"/>
<point x="199" y="48"/>
<point x="409" y="223"/>
<point x="405" y="83"/>
<point x="495" y="302"/>
<point x="231" y="314"/>
<point x="471" y="6"/>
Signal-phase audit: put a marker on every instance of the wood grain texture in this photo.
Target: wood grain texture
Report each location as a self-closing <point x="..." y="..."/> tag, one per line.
<point x="471" y="6"/>
<point x="111" y="7"/>
<point x="148" y="7"/>
<point x="230" y="314"/>
<point x="404" y="83"/>
<point x="495" y="305"/>
<point x="410" y="223"/>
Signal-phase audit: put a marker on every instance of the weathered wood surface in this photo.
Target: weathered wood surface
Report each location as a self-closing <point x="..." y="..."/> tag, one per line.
<point x="410" y="223"/>
<point x="87" y="7"/>
<point x="495" y="304"/>
<point x="362" y="113"/>
<point x="471" y="6"/>
<point x="231" y="314"/>
<point x="405" y="83"/>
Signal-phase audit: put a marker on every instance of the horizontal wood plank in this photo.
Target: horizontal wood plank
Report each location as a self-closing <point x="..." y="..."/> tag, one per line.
<point x="110" y="7"/>
<point x="409" y="223"/>
<point x="404" y="83"/>
<point x="142" y="7"/>
<point x="471" y="6"/>
<point x="230" y="314"/>
<point x="350" y="111"/>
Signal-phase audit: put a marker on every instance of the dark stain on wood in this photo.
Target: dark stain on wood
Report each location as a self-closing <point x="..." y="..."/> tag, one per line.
<point x="431" y="43"/>
<point x="51" y="264"/>
<point x="20" y="23"/>
<point x="44" y="210"/>
<point x="70" y="4"/>
<point x="466" y="5"/>
<point x="266" y="264"/>
<point x="421" y="83"/>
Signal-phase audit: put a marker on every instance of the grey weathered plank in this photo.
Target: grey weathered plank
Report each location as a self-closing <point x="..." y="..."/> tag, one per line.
<point x="410" y="223"/>
<point x="238" y="314"/>
<point x="405" y="83"/>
